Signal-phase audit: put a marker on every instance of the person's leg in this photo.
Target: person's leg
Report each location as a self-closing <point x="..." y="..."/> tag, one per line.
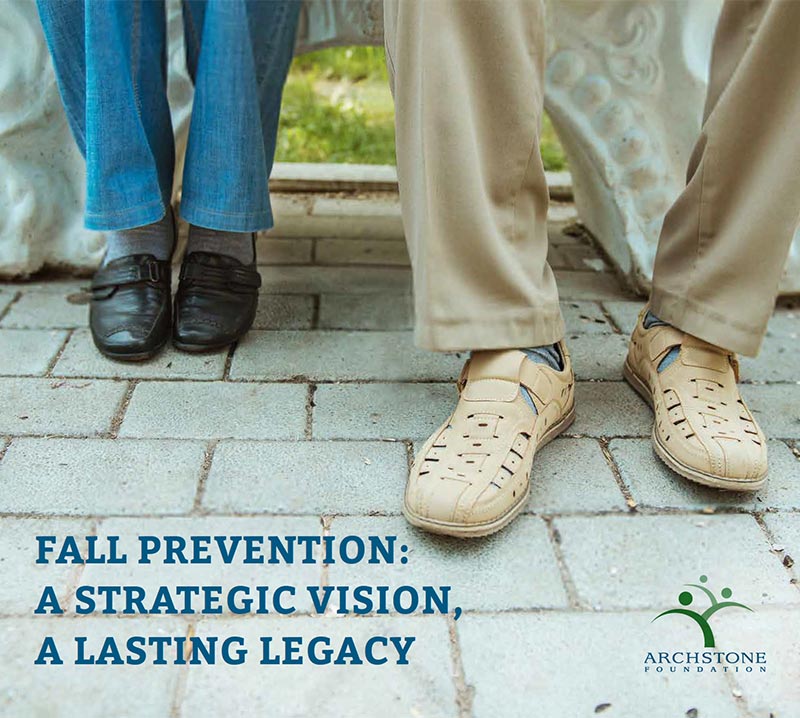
<point x="722" y="251"/>
<point x="238" y="53"/>
<point x="110" y="63"/>
<point x="467" y="82"/>
<point x="468" y="87"/>
<point x="726" y="238"/>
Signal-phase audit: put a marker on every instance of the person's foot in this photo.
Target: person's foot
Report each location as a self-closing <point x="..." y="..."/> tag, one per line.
<point x="703" y="430"/>
<point x="216" y="301"/>
<point x="129" y="314"/>
<point x="472" y="476"/>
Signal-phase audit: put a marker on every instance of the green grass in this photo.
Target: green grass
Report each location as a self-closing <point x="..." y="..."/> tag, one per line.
<point x="337" y="108"/>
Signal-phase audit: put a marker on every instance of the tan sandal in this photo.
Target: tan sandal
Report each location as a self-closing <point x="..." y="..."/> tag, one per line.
<point x="703" y="430"/>
<point x="472" y="476"/>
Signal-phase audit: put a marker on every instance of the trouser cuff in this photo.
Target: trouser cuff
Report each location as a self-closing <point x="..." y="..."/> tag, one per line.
<point x="536" y="327"/>
<point x="708" y="323"/>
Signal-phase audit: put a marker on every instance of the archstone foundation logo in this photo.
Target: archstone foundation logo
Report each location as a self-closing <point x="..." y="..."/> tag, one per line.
<point x="707" y="660"/>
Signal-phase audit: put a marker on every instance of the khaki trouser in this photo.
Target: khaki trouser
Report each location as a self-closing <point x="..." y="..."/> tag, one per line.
<point x="467" y="77"/>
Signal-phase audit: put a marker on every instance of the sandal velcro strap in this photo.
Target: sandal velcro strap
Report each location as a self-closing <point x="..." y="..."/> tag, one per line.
<point x="148" y="271"/>
<point x="237" y="279"/>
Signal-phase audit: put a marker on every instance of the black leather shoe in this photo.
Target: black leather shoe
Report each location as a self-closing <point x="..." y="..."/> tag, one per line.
<point x="130" y="314"/>
<point x="215" y="303"/>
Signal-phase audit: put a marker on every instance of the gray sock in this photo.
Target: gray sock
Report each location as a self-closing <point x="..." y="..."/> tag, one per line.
<point x="157" y="239"/>
<point x="547" y="355"/>
<point x="238" y="245"/>
<point x="651" y="320"/>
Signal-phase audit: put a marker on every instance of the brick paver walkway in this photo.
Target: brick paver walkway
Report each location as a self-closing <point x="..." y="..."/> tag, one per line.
<point x="308" y="427"/>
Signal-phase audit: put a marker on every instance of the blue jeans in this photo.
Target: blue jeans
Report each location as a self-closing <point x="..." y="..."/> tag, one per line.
<point x="110" y="60"/>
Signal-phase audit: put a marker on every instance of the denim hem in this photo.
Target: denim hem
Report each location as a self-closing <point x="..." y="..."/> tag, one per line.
<point x="126" y="219"/>
<point x="228" y="222"/>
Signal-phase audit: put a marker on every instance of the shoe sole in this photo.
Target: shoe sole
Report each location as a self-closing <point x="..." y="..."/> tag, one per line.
<point x="688" y="472"/>
<point x="486" y="529"/>
<point x="132" y="358"/>
<point x="201" y="348"/>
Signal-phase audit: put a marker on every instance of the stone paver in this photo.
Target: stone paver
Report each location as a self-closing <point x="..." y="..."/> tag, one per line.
<point x="424" y="687"/>
<point x="777" y="633"/>
<point x="610" y="409"/>
<point x="573" y="475"/>
<point x="584" y="318"/>
<point x="79" y="407"/>
<point x="23" y="579"/>
<point x="597" y="357"/>
<point x="653" y="484"/>
<point x="291" y="311"/>
<point x="216" y="411"/>
<point x="624" y="314"/>
<point x="339" y="356"/>
<point x="45" y="310"/>
<point x="100" y="476"/>
<point x="560" y="664"/>
<point x="314" y="477"/>
<point x="374" y="312"/>
<point x="216" y="572"/>
<point x="776" y="408"/>
<point x="68" y="690"/>
<point x="776" y="362"/>
<point x="28" y="352"/>
<point x="513" y="569"/>
<point x="588" y="285"/>
<point x="283" y="251"/>
<point x="643" y="561"/>
<point x="81" y="358"/>
<point x="380" y="411"/>
<point x="354" y="280"/>
<point x="784" y="323"/>
<point x="362" y="251"/>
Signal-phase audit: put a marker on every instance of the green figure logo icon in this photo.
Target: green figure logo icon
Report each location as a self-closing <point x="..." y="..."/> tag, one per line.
<point x="685" y="598"/>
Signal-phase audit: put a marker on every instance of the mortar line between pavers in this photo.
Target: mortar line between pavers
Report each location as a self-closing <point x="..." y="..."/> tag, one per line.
<point x="409" y="444"/>
<point x="52" y="364"/>
<point x="566" y="577"/>
<point x="697" y="513"/>
<point x="202" y="479"/>
<point x="739" y="699"/>
<point x="183" y="674"/>
<point x="5" y="312"/>
<point x="325" y="571"/>
<point x="308" y="432"/>
<point x="5" y="442"/>
<point x="793" y="447"/>
<point x="75" y="579"/>
<point x="308" y="613"/>
<point x="122" y="408"/>
<point x="465" y="693"/>
<point x="609" y="318"/>
<point x="316" y="303"/>
<point x="334" y="381"/>
<point x="612" y="464"/>
<point x="793" y="578"/>
<point x="226" y="369"/>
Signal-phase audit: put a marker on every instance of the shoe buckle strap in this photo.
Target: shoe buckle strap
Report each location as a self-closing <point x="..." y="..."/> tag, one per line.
<point x="150" y="271"/>
<point x="234" y="278"/>
<point x="664" y="339"/>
